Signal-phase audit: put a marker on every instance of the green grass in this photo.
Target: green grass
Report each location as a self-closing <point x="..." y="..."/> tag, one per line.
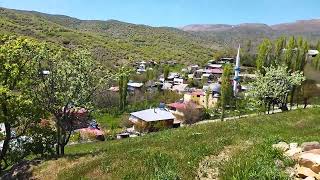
<point x="176" y="153"/>
<point x="107" y="120"/>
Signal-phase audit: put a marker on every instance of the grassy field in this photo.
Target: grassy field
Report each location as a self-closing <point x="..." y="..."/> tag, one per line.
<point x="176" y="153"/>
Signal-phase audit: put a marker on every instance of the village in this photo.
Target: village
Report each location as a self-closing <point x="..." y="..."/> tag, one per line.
<point x="186" y="83"/>
<point x="159" y="90"/>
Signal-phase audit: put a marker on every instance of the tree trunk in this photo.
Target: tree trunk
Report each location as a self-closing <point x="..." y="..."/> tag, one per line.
<point x="5" y="146"/>
<point x="7" y="139"/>
<point x="292" y="96"/>
<point x="58" y="140"/>
<point x="222" y="114"/>
<point x="62" y="149"/>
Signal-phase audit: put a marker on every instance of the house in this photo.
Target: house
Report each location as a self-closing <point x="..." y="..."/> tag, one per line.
<point x="180" y="88"/>
<point x="215" y="88"/>
<point x="214" y="66"/>
<point x="199" y="97"/>
<point x="313" y="53"/>
<point x="134" y="87"/>
<point x="114" y="89"/>
<point x="152" y="119"/>
<point x="226" y="60"/>
<point x="180" y="108"/>
<point x="177" y="109"/>
<point x="193" y="68"/>
<point x="173" y="75"/>
<point x="177" y="81"/>
<point x="166" y="86"/>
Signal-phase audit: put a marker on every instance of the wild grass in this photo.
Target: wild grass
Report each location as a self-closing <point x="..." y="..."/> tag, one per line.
<point x="176" y="153"/>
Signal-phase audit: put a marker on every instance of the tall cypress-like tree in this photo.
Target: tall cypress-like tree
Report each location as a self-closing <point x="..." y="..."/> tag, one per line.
<point x="264" y="55"/>
<point x="123" y="78"/>
<point x="316" y="60"/>
<point x="279" y="45"/>
<point x="226" y="88"/>
<point x="290" y="52"/>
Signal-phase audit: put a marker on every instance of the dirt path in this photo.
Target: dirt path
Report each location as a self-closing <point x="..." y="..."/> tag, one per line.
<point x="209" y="167"/>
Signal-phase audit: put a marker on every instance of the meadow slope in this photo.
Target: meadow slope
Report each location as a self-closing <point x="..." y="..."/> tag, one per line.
<point x="176" y="153"/>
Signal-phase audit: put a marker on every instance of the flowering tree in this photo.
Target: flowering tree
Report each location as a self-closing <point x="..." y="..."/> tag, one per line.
<point x="68" y="82"/>
<point x="274" y="86"/>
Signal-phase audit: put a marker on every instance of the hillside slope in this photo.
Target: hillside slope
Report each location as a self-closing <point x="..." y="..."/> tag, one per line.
<point x="111" y="42"/>
<point x="177" y="153"/>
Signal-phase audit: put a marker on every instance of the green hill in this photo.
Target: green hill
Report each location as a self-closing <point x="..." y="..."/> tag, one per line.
<point x="177" y="153"/>
<point x="111" y="42"/>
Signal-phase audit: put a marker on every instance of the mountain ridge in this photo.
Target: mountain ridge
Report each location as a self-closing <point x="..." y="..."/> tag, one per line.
<point x="115" y="42"/>
<point x="280" y="26"/>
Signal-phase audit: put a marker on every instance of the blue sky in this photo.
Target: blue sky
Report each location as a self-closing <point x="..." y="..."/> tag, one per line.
<point x="177" y="13"/>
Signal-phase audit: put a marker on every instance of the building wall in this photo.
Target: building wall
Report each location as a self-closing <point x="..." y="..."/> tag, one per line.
<point x="212" y="101"/>
<point x="144" y="126"/>
<point x="202" y="100"/>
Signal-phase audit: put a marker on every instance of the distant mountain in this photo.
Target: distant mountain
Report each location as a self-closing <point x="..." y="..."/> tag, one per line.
<point x="206" y="27"/>
<point x="231" y="35"/>
<point x="302" y="26"/>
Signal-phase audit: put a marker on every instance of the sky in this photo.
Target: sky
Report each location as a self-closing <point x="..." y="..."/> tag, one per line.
<point x="177" y="13"/>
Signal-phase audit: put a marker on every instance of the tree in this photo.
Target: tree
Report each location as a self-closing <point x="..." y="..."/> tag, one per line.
<point x="166" y="72"/>
<point x="70" y="84"/>
<point x="18" y="73"/>
<point x="274" y="86"/>
<point x="264" y="55"/>
<point x="226" y="88"/>
<point x="150" y="74"/>
<point x="299" y="63"/>
<point x="289" y="53"/>
<point x="279" y="46"/>
<point x="191" y="113"/>
<point x="123" y="78"/>
<point x="316" y="60"/>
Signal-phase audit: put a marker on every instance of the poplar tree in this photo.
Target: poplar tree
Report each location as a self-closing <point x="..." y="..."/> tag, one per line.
<point x="289" y="53"/>
<point x="122" y="77"/>
<point x="279" y="46"/>
<point x="264" y="55"/>
<point x="226" y="88"/>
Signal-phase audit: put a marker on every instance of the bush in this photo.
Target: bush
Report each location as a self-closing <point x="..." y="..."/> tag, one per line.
<point x="192" y="114"/>
<point x="125" y="122"/>
<point x="75" y="137"/>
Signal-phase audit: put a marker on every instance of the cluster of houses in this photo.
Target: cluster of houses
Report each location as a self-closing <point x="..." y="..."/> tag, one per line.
<point x="172" y="115"/>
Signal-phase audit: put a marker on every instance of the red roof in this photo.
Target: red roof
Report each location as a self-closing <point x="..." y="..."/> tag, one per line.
<point x="216" y="71"/>
<point x="177" y="105"/>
